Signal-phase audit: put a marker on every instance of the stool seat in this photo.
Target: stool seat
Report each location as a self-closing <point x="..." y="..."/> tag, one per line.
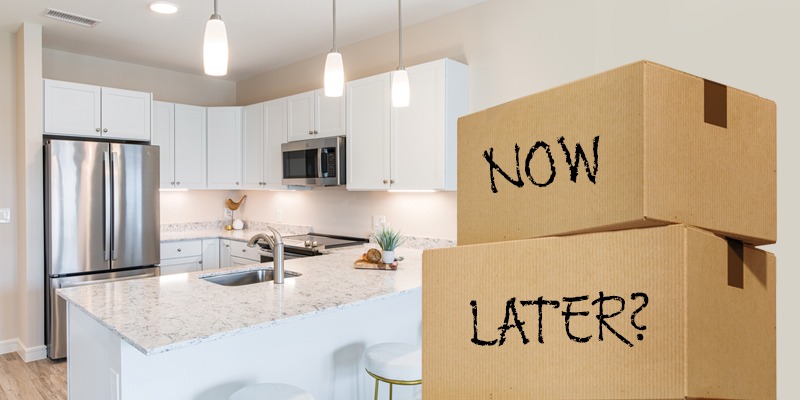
<point x="271" y="391"/>
<point x="394" y="361"/>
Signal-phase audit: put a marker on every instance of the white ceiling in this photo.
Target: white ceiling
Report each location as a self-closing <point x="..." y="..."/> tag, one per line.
<point x="262" y="34"/>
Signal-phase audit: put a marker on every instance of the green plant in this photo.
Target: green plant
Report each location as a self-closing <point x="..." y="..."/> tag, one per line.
<point x="388" y="239"/>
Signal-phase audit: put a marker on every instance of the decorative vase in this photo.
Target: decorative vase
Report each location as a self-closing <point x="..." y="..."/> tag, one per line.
<point x="388" y="256"/>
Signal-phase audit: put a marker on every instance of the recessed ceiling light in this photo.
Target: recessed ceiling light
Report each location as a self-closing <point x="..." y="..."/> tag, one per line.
<point x="164" y="7"/>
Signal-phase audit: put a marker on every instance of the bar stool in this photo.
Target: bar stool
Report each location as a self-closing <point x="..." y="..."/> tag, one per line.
<point x="395" y="364"/>
<point x="271" y="391"/>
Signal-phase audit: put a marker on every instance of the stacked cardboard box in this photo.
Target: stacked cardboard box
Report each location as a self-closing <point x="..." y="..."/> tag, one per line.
<point x="606" y="232"/>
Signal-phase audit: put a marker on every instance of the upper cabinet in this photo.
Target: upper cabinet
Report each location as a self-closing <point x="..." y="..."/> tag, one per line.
<point x="411" y="148"/>
<point x="76" y="109"/>
<point x="313" y="115"/>
<point x="265" y="129"/>
<point x="180" y="131"/>
<point x="224" y="168"/>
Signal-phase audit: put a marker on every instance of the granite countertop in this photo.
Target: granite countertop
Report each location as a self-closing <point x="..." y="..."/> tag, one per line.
<point x="240" y="235"/>
<point x="161" y="314"/>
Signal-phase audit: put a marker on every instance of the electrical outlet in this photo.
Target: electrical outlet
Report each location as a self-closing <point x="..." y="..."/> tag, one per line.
<point x="5" y="215"/>
<point x="378" y="221"/>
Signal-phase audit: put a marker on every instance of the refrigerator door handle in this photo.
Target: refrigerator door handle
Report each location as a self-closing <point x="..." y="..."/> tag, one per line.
<point x="115" y="208"/>
<point x="85" y="283"/>
<point x="106" y="206"/>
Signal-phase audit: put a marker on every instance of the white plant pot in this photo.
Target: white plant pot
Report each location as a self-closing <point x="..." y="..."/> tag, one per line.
<point x="388" y="256"/>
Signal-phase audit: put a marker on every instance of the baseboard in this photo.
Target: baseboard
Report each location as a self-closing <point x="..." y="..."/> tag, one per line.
<point x="8" y="346"/>
<point x="29" y="354"/>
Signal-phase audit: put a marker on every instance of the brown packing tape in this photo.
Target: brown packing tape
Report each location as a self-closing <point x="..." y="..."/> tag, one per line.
<point x="735" y="263"/>
<point x="715" y="103"/>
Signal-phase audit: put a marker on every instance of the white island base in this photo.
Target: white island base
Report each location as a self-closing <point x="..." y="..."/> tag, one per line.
<point x="321" y="353"/>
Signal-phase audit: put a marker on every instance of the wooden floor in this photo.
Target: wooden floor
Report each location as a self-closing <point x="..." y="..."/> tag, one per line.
<point x="37" y="380"/>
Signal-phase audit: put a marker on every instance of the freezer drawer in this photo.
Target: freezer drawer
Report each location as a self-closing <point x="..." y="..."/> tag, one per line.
<point x="56" y="324"/>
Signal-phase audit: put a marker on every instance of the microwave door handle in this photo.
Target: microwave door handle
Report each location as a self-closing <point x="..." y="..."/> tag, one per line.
<point x="319" y="171"/>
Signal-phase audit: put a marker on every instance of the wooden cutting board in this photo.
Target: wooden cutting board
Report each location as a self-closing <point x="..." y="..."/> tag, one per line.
<point x="361" y="264"/>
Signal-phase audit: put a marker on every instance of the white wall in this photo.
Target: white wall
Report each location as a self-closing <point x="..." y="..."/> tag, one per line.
<point x="519" y="47"/>
<point x="195" y="206"/>
<point x="8" y="180"/>
<point x="334" y="210"/>
<point x="166" y="85"/>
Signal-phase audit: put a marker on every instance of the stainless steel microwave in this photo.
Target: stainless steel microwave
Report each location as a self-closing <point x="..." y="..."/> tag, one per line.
<point x="315" y="162"/>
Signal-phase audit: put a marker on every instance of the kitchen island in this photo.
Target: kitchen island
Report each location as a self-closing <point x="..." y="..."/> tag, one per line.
<point x="181" y="337"/>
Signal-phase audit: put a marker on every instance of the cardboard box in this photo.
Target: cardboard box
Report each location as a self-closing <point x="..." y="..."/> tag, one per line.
<point x="698" y="318"/>
<point x="641" y="145"/>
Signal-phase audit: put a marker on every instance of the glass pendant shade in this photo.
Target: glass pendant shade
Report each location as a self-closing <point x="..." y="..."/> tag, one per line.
<point x="334" y="75"/>
<point x="400" y="90"/>
<point x="215" y="48"/>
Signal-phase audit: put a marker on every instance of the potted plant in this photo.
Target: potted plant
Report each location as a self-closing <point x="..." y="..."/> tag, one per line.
<point x="388" y="239"/>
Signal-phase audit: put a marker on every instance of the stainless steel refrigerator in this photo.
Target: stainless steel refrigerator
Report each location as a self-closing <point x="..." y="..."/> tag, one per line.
<point x="101" y="221"/>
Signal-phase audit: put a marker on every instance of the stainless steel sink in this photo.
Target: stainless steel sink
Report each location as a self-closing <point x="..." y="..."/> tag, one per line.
<point x="247" y="277"/>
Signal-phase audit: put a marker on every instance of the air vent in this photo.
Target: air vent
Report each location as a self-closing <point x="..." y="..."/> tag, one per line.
<point x="72" y="18"/>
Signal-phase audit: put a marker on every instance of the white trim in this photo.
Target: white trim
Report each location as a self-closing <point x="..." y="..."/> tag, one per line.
<point x="29" y="354"/>
<point x="8" y="346"/>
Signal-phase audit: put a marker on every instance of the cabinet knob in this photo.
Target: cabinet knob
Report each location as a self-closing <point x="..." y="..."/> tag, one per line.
<point x="97" y="129"/>
<point x="244" y="251"/>
<point x="179" y="250"/>
<point x="316" y="132"/>
<point x="391" y="181"/>
<point x="227" y="245"/>
<point x="172" y="183"/>
<point x="237" y="183"/>
<point x="200" y="262"/>
<point x="310" y="132"/>
<point x="385" y="181"/>
<point x="178" y="183"/>
<point x="105" y="129"/>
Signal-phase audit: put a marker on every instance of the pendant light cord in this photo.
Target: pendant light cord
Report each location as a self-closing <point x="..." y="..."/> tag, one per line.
<point x="400" y="25"/>
<point x="334" y="50"/>
<point x="216" y="15"/>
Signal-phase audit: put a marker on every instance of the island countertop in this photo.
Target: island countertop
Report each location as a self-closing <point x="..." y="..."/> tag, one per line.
<point x="161" y="314"/>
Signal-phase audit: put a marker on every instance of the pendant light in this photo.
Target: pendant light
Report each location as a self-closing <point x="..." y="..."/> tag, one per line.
<point x="400" y="90"/>
<point x="215" y="46"/>
<point x="334" y="68"/>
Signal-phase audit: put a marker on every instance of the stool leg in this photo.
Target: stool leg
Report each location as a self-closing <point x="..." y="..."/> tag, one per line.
<point x="390" y="391"/>
<point x="376" y="388"/>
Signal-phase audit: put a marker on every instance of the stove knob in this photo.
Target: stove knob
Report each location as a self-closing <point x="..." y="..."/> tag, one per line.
<point x="308" y="243"/>
<point x="314" y="243"/>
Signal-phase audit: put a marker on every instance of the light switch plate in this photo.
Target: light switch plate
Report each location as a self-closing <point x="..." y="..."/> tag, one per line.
<point x="5" y="215"/>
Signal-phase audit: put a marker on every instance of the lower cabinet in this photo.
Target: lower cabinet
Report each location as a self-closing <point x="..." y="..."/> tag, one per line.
<point x="206" y="254"/>
<point x="181" y="256"/>
<point x="243" y="255"/>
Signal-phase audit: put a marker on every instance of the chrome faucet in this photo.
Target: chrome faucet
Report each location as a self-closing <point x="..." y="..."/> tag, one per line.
<point x="276" y="242"/>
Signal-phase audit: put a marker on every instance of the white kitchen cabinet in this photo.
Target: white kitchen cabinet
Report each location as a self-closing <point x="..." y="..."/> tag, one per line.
<point x="225" y="253"/>
<point x="265" y="129"/>
<point x="411" y="148"/>
<point x="180" y="131"/>
<point x="241" y="250"/>
<point x="314" y="115"/>
<point x="211" y="254"/>
<point x="181" y="256"/>
<point x="224" y="137"/>
<point x="76" y="109"/>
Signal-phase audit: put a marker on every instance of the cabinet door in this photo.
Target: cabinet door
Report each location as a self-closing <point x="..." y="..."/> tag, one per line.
<point x="368" y="125"/>
<point x="253" y="144"/>
<point x="224" y="148"/>
<point x="225" y="253"/>
<point x="238" y="261"/>
<point x="330" y="115"/>
<point x="190" y="147"/>
<point x="210" y="254"/>
<point x="301" y="116"/>
<point x="277" y="130"/>
<point x="164" y="137"/>
<point x="181" y="265"/>
<point x="418" y="132"/>
<point x="126" y="114"/>
<point x="71" y="108"/>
